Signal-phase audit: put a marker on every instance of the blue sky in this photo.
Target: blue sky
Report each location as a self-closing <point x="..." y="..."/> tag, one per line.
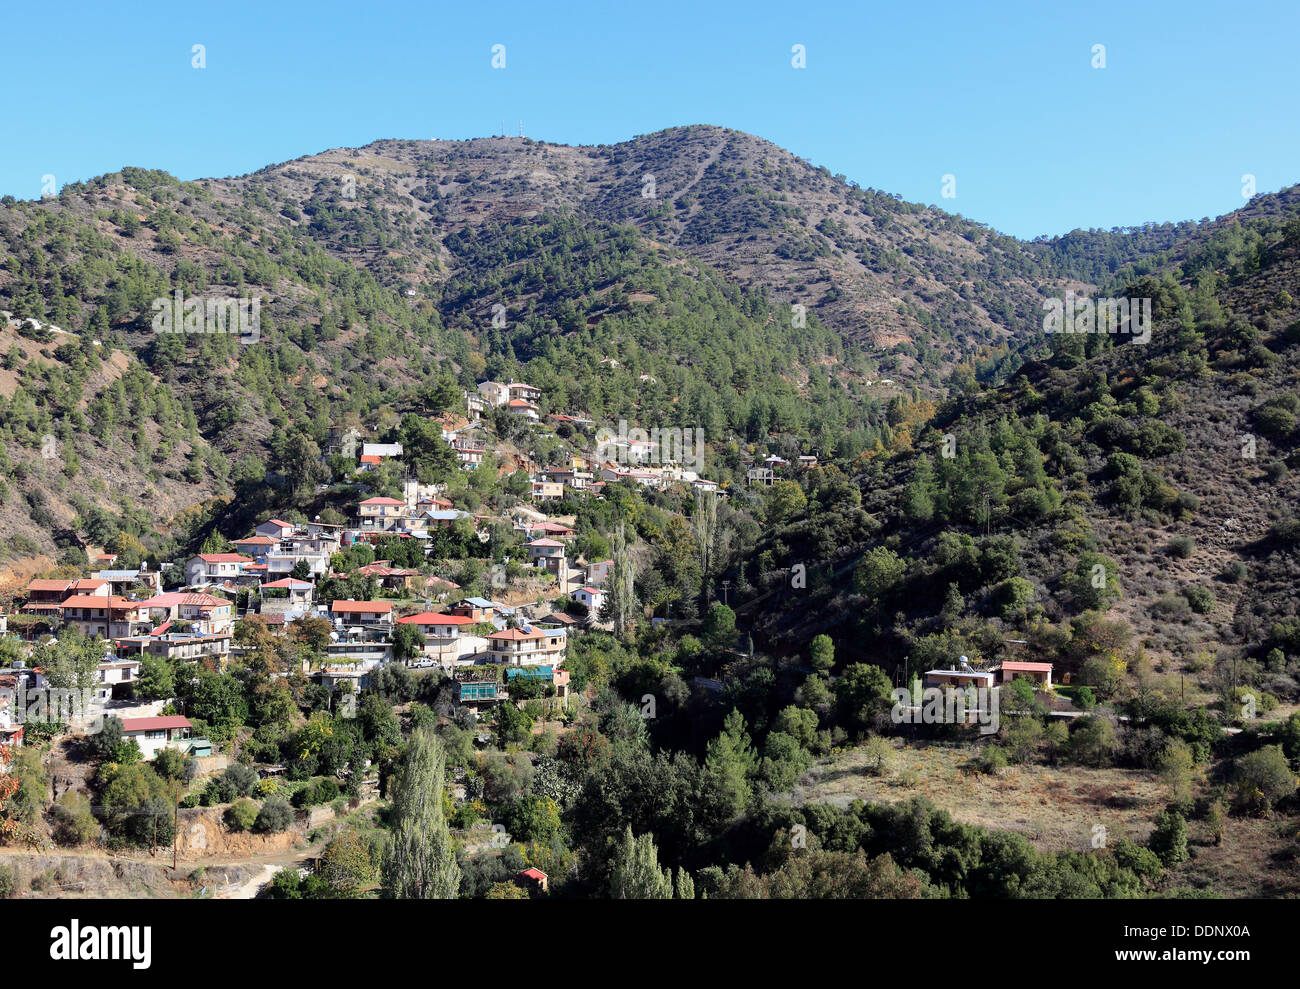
<point x="1000" y="95"/>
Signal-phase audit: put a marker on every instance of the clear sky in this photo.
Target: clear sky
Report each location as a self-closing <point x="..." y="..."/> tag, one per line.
<point x="1002" y="96"/>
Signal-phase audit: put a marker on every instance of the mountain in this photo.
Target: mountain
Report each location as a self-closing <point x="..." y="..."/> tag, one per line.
<point x="386" y="270"/>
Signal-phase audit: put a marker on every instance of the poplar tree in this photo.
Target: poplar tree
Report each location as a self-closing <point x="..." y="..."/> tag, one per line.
<point x="420" y="864"/>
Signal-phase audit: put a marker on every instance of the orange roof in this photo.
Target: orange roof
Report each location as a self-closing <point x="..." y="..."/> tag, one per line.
<point x="1028" y="667"/>
<point x="97" y="601"/>
<point x="382" y="501"/>
<point x="362" y="607"/>
<point x="257" y="540"/>
<point x="49" y="585"/>
<point x="225" y="558"/>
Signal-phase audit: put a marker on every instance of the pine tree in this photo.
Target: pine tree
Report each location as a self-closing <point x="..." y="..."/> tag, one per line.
<point x="420" y="864"/>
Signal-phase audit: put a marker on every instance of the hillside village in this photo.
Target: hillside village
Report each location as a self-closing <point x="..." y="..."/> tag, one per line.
<point x="662" y="572"/>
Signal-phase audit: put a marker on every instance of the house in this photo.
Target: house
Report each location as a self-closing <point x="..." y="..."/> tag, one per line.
<point x="116" y="677"/>
<point x="214" y="568"/>
<point x="1039" y="673"/>
<point x="121" y="581"/>
<point x="447" y="638"/>
<point x="479" y="609"/>
<point x="286" y="595"/>
<point x="342" y="439"/>
<point x="362" y="612"/>
<point x="552" y="530"/>
<point x="45" y="596"/>
<point x="544" y="549"/>
<point x="532" y="879"/>
<point x="470" y="457"/>
<point x="472" y="693"/>
<point x="528" y="646"/>
<point x="276" y="528"/>
<point x="207" y="613"/>
<point x="380" y="513"/>
<point x="331" y="678"/>
<point x="526" y="410"/>
<point x="525" y="392"/>
<point x="257" y="546"/>
<point x="392" y="578"/>
<point x="381" y="450"/>
<point x="187" y="646"/>
<point x="559" y="618"/>
<point x="154" y="734"/>
<point x="593" y="598"/>
<point x="547" y="490"/>
<point x="108" y="617"/>
<point x="598" y="572"/>
<point x="494" y="393"/>
<point x="960" y="679"/>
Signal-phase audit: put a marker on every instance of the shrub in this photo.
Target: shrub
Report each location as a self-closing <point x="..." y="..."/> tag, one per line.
<point x="241" y="815"/>
<point x="240" y="780"/>
<point x="7" y="882"/>
<point x="275" y="815"/>
<point x="1169" y="839"/>
<point x="1234" y="572"/>
<point x="878" y="756"/>
<point x="75" y="824"/>
<point x="1262" y="778"/>
<point x="1200" y="598"/>
<point x="992" y="760"/>
<point x="1181" y="547"/>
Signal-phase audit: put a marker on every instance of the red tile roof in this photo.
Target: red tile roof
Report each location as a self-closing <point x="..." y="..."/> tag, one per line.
<point x="49" y="585"/>
<point x="155" y="724"/>
<point x="362" y="607"/>
<point x="225" y="558"/>
<point x="432" y="618"/>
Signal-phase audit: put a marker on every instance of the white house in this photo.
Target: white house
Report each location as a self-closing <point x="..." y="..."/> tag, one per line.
<point x="154" y="734"/>
<point x="592" y="597"/>
<point x="214" y="568"/>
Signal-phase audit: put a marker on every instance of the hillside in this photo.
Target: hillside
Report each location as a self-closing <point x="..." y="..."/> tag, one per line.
<point x="1169" y="466"/>
<point x="386" y="269"/>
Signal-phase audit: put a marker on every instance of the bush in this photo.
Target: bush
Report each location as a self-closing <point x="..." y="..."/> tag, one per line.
<point x="1200" y="598"/>
<point x="992" y="760"/>
<point x="320" y="791"/>
<point x="239" y="780"/>
<point x="241" y="815"/>
<point x="1169" y="839"/>
<point x="74" y="823"/>
<point x="1234" y="572"/>
<point x="1181" y="547"/>
<point x="275" y="815"/>
<point x="1262" y="779"/>
<point x="7" y="882"/>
